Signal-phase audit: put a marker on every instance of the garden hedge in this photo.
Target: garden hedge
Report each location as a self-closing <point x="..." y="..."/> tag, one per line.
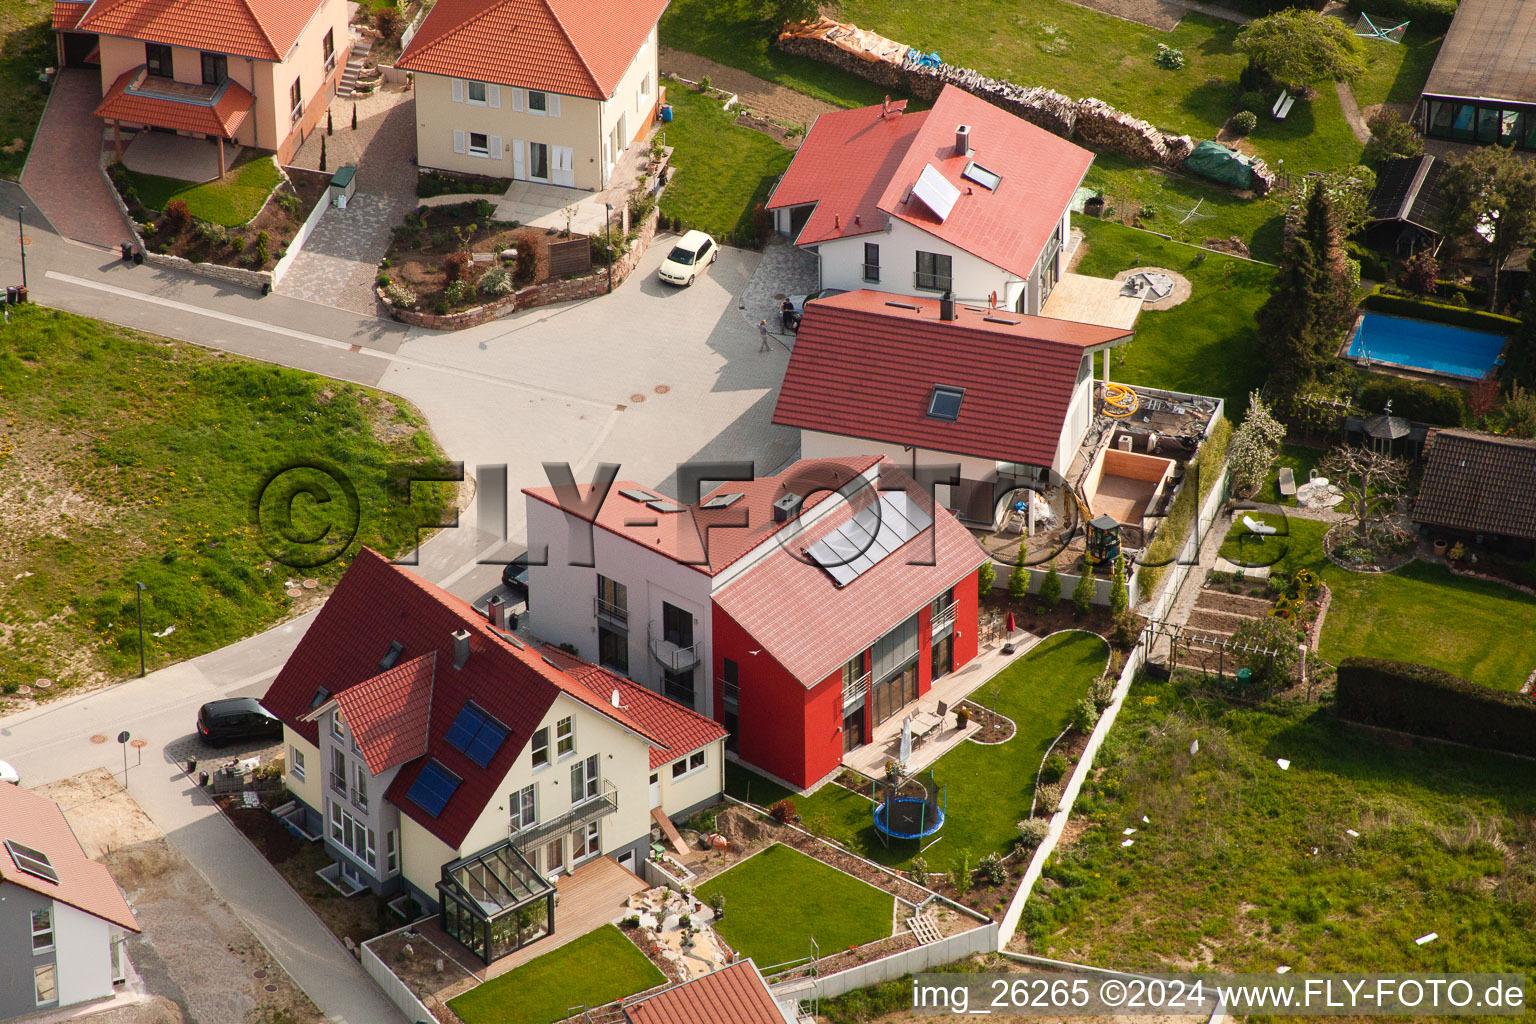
<point x="1169" y="541"/>
<point x="1380" y="301"/>
<point x="1431" y="15"/>
<point x="1420" y="401"/>
<point x="1430" y="702"/>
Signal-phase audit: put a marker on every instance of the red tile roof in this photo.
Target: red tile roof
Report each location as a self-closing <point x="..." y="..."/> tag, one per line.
<point x="36" y="821"/>
<point x="67" y="13"/>
<point x="856" y="164"/>
<point x="791" y="606"/>
<point x="843" y="167"/>
<point x="389" y="714"/>
<point x="683" y="730"/>
<point x="263" y="29"/>
<point x="733" y="995"/>
<point x="220" y="118"/>
<point x="864" y="368"/>
<point x="377" y="603"/>
<point x="572" y="47"/>
<point x="731" y="532"/>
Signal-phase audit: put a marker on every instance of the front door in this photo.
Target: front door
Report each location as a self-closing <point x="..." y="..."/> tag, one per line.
<point x="853" y="728"/>
<point x="538" y="161"/>
<point x="563" y="167"/>
<point x="655" y="790"/>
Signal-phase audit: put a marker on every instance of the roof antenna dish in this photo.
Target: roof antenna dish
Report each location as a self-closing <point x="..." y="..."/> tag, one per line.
<point x="614" y="699"/>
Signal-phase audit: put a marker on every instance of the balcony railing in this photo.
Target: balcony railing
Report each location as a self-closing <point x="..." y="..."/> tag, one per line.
<point x="857" y="689"/>
<point x="673" y="656"/>
<point x="944" y="622"/>
<point x="330" y="62"/>
<point x="339" y="783"/>
<point x="606" y="802"/>
<point x="731" y="690"/>
<point x="360" y="799"/>
<point x="872" y="272"/>
<point x="932" y="282"/>
<point x="607" y="611"/>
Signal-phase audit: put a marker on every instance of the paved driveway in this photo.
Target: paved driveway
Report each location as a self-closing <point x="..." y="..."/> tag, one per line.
<point x="62" y="174"/>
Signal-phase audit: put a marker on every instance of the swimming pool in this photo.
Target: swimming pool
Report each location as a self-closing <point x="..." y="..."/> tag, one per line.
<point x="1420" y="345"/>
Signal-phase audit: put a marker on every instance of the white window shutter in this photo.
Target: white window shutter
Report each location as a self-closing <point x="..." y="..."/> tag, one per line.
<point x="493" y="95"/>
<point x="458" y="90"/>
<point x="517" y="100"/>
<point x="554" y="104"/>
<point x="458" y="141"/>
<point x="493" y="150"/>
<point x="518" y="169"/>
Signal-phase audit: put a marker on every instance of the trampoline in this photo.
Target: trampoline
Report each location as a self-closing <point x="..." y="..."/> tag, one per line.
<point x="909" y="809"/>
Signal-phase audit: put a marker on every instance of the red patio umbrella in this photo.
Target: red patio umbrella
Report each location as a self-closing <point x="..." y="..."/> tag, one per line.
<point x="1011" y="626"/>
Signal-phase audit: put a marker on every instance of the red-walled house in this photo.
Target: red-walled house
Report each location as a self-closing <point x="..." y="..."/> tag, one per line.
<point x="800" y="610"/>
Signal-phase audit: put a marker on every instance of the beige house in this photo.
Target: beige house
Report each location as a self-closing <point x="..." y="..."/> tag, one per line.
<point x="248" y="72"/>
<point x="535" y="90"/>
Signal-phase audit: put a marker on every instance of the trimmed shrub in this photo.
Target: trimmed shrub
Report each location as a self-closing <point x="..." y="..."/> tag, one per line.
<point x="1085" y="715"/>
<point x="497" y="283"/>
<point x="400" y="294"/>
<point x="1382" y="301"/>
<point x="1418" y="400"/>
<point x="783" y="812"/>
<point x="456" y="265"/>
<point x="177" y="215"/>
<point x="992" y="868"/>
<point x="1032" y="831"/>
<point x="1082" y="594"/>
<point x="532" y="254"/>
<point x="1431" y="702"/>
<point x="456" y="292"/>
<point x="1053" y="769"/>
<point x="1050" y="587"/>
<point x="1244" y="121"/>
<point x="1253" y="102"/>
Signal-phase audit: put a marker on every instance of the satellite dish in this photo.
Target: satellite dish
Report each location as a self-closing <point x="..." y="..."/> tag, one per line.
<point x="615" y="699"/>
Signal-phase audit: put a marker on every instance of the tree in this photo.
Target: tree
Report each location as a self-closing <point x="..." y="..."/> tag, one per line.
<point x="322" y="152"/>
<point x="1313" y="302"/>
<point x="1490" y="202"/>
<point x="1349" y="190"/>
<point x="354" y="116"/>
<point x="1421" y="273"/>
<point x="1520" y="357"/>
<point x="1254" y="446"/>
<point x="1018" y="580"/>
<point x="1299" y="46"/>
<point x="1082" y="594"/>
<point x="1391" y="137"/>
<point x="1273" y="634"/>
<point x="985" y="577"/>
<point x="1119" y="595"/>
<point x="1372" y="482"/>
<point x="1519" y="412"/>
<point x="1050" y="587"/>
<point x="330" y="128"/>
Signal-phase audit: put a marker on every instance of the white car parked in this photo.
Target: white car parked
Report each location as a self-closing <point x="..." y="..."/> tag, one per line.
<point x="688" y="258"/>
<point x="9" y="774"/>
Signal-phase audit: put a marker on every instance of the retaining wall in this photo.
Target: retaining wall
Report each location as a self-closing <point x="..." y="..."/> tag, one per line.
<point x="910" y="961"/>
<point x="391" y="985"/>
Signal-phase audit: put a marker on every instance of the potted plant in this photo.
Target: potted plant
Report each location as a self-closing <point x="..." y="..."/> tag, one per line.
<point x="962" y="717"/>
<point x="1440" y="545"/>
<point x="1458" y="552"/>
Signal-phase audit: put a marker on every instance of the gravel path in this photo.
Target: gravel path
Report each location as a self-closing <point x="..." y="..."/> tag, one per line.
<point x="760" y="97"/>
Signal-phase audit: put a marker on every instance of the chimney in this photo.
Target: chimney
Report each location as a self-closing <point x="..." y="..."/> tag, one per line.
<point x="460" y="647"/>
<point x="885" y="105"/>
<point x="496" y="611"/>
<point x="786" y="508"/>
<point x="947" y="307"/>
<point x="963" y="140"/>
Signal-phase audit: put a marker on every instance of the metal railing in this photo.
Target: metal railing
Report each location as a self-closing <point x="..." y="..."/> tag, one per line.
<point x="606" y="802"/>
<point x="674" y="657"/>
<point x="872" y="272"/>
<point x="614" y="614"/>
<point x="944" y="622"/>
<point x="856" y="690"/>
<point x="339" y="783"/>
<point x="732" y="690"/>
<point x="360" y="799"/>
<point x="932" y="282"/>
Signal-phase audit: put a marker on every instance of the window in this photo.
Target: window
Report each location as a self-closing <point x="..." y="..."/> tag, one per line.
<point x="612" y="601"/>
<point x="352" y="834"/>
<point x="696" y="760"/>
<point x="328" y="48"/>
<point x="541" y="747"/>
<point x="584" y="780"/>
<point x="688" y="765"/>
<point x="538" y="161"/>
<point x="565" y="736"/>
<point x="554" y="857"/>
<point x="613" y="648"/>
<point x="678" y="686"/>
<point x="33" y="862"/>
<point x="157" y="59"/>
<point x="337" y="729"/>
<point x="934" y="271"/>
<point x="42" y="930"/>
<point x="872" y="261"/>
<point x="475" y="91"/>
<point x="360" y="785"/>
<point x="296" y="763"/>
<point x="944" y="403"/>
<point x="433" y="788"/>
<point x="215" y="68"/>
<point x="524" y="813"/>
<point x="336" y="821"/>
<point x="645" y="89"/>
<point x="591" y="843"/>
<point x="538" y="102"/>
<point x="679" y="768"/>
<point x="338" y="770"/>
<point x="296" y="98"/>
<point x="479" y="144"/>
<point x="392" y="851"/>
<point x="45" y="984"/>
<point x="988" y="180"/>
<point x="476" y="734"/>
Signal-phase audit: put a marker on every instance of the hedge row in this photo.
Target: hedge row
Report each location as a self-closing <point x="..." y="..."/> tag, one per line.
<point x="1433" y="15"/>
<point x="1429" y="702"/>
<point x="1438" y="312"/>
<point x="1420" y="401"/>
<point x="1169" y="541"/>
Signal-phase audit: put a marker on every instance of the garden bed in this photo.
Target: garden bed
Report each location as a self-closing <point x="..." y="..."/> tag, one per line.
<point x="449" y="258"/>
<point x="993" y="727"/>
<point x="1385" y="551"/>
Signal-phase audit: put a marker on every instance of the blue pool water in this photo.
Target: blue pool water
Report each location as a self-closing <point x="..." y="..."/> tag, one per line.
<point x="1419" y="345"/>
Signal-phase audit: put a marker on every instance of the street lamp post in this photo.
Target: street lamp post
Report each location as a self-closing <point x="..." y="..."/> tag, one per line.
<point x="21" y="240"/>
<point x="138" y="596"/>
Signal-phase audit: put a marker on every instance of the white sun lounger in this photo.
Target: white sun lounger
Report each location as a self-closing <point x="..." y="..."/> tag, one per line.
<point x="1262" y="529"/>
<point x="1287" y="482"/>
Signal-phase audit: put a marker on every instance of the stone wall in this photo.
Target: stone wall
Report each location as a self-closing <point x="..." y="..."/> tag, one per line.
<point x="1088" y="121"/>
<point x="451" y="321"/>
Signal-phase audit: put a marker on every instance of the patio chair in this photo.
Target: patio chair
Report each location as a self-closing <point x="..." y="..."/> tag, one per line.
<point x="943" y="712"/>
<point x="1287" y="482"/>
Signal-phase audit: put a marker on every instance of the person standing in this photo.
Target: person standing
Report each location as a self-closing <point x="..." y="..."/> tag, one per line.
<point x="762" y="333"/>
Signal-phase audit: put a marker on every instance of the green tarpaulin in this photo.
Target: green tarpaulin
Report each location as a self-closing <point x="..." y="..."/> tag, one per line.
<point x="1217" y="162"/>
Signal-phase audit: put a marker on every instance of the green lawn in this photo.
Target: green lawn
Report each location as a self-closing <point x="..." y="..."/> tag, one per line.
<point x="1208" y="345"/>
<point x="723" y="171"/>
<point x="743" y="783"/>
<point x="1396" y="74"/>
<point x="779" y="899"/>
<point x="1422" y="613"/>
<point x="1224" y="876"/>
<point x="597" y="968"/>
<point x="988" y="787"/>
<point x="231" y="201"/>
<point x="131" y="458"/>
<point x="1300" y="458"/>
<point x="26" y="47"/>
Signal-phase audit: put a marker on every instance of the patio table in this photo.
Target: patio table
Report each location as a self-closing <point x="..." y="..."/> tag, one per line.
<point x="926" y="723"/>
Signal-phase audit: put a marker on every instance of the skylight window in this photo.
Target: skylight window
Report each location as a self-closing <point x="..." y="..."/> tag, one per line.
<point x="476" y="734"/>
<point x="33" y="862"/>
<point x="944" y="403"/>
<point x="988" y="180"/>
<point x="874" y="532"/>
<point x="661" y="505"/>
<point x="635" y="494"/>
<point x="723" y="500"/>
<point x="433" y="788"/>
<point x="935" y="192"/>
<point x="392" y="655"/>
<point x="321" y="696"/>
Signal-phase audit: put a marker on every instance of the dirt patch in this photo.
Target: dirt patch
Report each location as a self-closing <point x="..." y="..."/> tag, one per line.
<point x="772" y="129"/>
<point x="1181" y="286"/>
<point x="995" y="728"/>
<point x="1160" y="14"/>
<point x="763" y="98"/>
<point x="199" y="961"/>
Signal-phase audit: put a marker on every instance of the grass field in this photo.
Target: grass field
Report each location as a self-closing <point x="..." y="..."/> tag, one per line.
<point x="1482" y="631"/>
<point x="777" y="900"/>
<point x="1208" y="345"/>
<point x="597" y="968"/>
<point x="26" y="47"/>
<point x="1300" y="458"/>
<point x="231" y="201"/>
<point x="723" y="171"/>
<point x="130" y="458"/>
<point x="1245" y="867"/>
<point x="1396" y="74"/>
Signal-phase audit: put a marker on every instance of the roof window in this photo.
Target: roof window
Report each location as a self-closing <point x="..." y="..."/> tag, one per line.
<point x="944" y="403"/>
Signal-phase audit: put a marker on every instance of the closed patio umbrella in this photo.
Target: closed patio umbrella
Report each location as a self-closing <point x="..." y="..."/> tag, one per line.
<point x="1011" y="625"/>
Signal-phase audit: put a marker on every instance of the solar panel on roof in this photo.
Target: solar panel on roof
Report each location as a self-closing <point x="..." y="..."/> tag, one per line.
<point x="476" y="734"/>
<point x="723" y="500"/>
<point x="433" y="788"/>
<point x="661" y="505"/>
<point x="33" y="862"/>
<point x="936" y="192"/>
<point x="635" y="494"/>
<point x="870" y="536"/>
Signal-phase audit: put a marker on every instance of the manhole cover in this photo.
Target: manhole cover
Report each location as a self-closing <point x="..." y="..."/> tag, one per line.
<point x="661" y="389"/>
<point x="138" y="744"/>
<point x="270" y="988"/>
<point x="42" y="684"/>
<point x="98" y="738"/>
<point x="311" y="584"/>
<point x="295" y="592"/>
<point x="637" y="398"/>
<point x="259" y="974"/>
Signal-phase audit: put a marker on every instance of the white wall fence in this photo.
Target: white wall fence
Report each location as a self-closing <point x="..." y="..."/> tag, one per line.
<point x="909" y="961"/>
<point x="390" y="983"/>
<point x="297" y="245"/>
<point x="1189" y="555"/>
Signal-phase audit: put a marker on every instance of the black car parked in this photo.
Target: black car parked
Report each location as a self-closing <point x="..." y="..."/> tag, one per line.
<point x="238" y="718"/>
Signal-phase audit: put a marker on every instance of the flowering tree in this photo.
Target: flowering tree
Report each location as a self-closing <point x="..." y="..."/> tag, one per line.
<point x="1372" y="482"/>
<point x="1254" y="446"/>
